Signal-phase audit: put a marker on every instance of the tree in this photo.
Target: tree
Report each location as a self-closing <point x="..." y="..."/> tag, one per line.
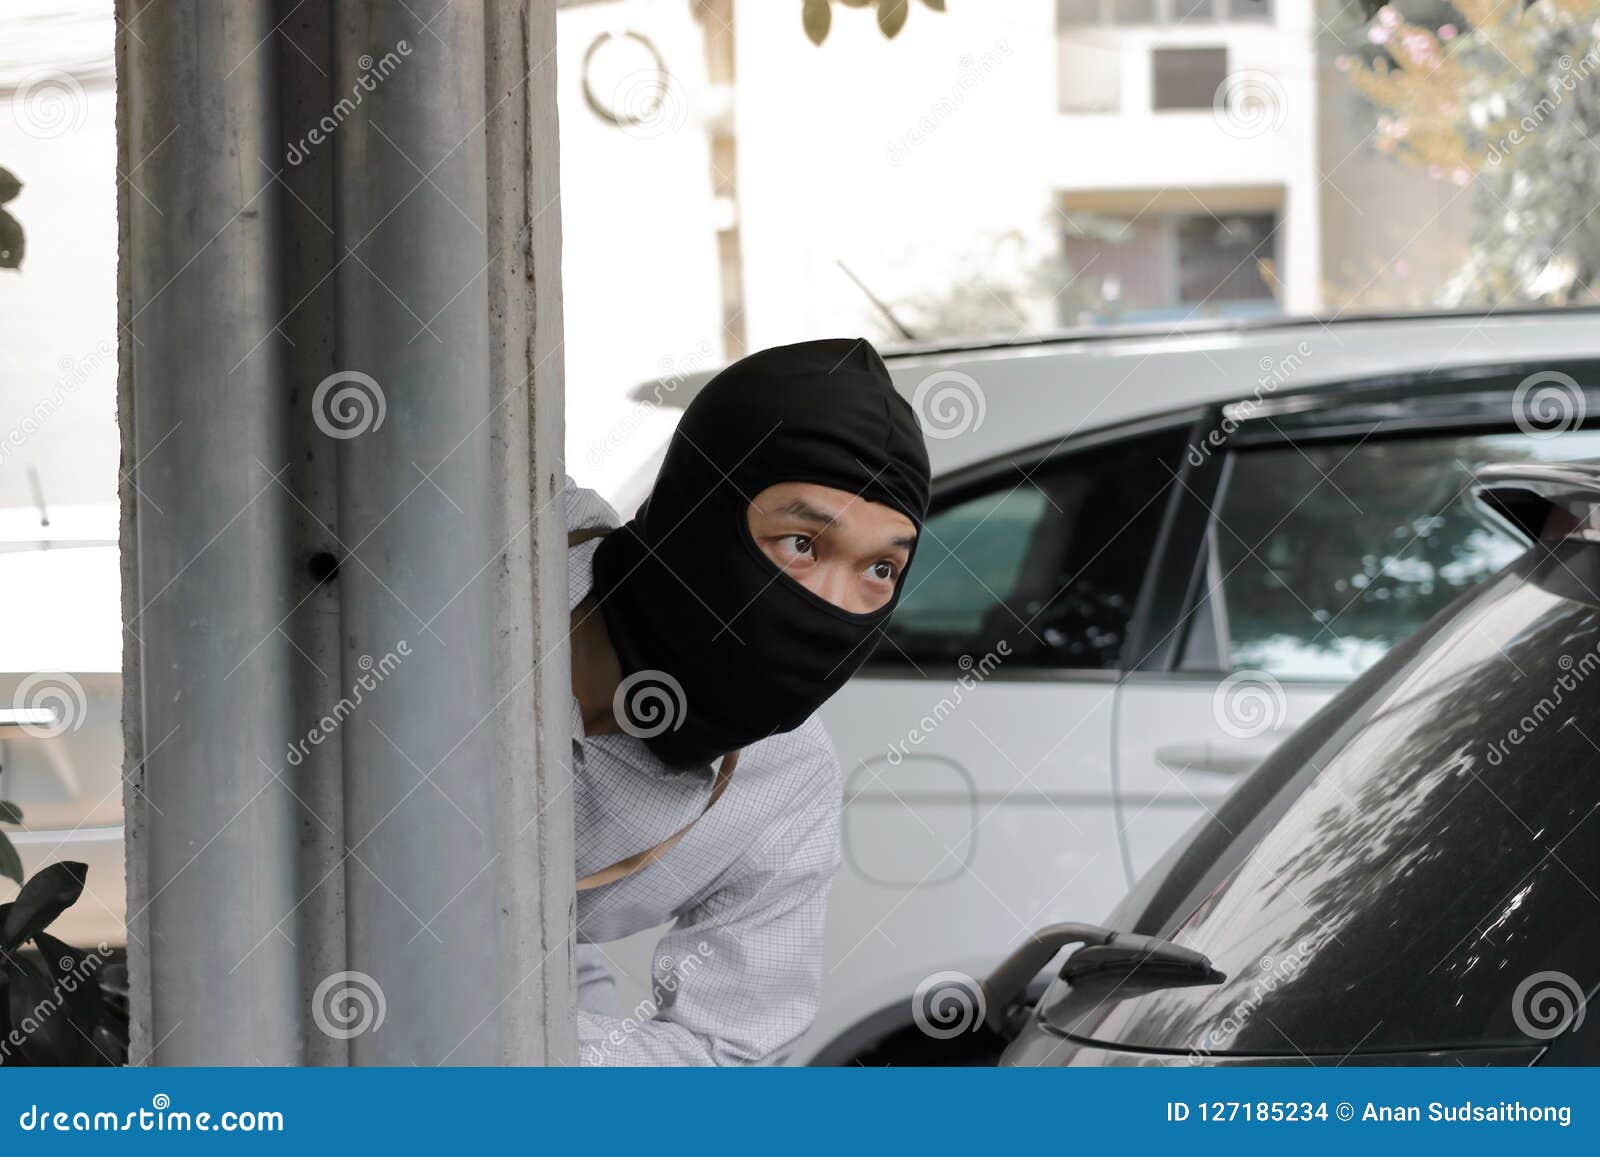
<point x="1506" y="103"/>
<point x="11" y="244"/>
<point x="817" y="15"/>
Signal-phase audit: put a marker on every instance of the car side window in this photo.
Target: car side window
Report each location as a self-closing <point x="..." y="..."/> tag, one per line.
<point x="1047" y="559"/>
<point x="1323" y="556"/>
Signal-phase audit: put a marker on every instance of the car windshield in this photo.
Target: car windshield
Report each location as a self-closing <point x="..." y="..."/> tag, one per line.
<point x="1420" y="865"/>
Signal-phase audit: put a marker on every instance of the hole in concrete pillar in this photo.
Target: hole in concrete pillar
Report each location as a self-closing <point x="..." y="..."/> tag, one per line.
<point x="322" y="567"/>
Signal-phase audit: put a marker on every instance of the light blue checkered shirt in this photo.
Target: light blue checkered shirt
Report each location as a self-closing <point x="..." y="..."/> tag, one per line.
<point x="736" y="977"/>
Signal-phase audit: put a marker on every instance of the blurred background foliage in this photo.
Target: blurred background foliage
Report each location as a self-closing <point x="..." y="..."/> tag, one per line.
<point x="1503" y="98"/>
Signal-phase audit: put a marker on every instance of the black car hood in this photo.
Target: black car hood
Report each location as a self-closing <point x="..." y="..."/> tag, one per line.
<point x="1413" y="870"/>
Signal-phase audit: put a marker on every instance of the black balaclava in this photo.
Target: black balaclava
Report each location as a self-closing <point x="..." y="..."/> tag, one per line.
<point x="688" y="594"/>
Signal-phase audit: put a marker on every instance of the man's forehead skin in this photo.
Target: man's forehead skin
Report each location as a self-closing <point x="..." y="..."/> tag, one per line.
<point x="808" y="510"/>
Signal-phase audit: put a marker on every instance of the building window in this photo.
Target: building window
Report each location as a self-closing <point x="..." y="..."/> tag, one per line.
<point x="1159" y="267"/>
<point x="1194" y="11"/>
<point x="1250" y="10"/>
<point x="1225" y="258"/>
<point x="1096" y="13"/>
<point x="1186" y="78"/>
<point x="1077" y="13"/>
<point x="1089" y="76"/>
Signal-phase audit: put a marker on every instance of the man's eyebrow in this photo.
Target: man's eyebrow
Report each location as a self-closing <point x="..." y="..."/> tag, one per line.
<point x="800" y="508"/>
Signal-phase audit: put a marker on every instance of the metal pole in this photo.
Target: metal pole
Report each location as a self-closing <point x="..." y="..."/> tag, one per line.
<point x="343" y="537"/>
<point x="211" y="826"/>
<point x="528" y="452"/>
<point x="439" y="815"/>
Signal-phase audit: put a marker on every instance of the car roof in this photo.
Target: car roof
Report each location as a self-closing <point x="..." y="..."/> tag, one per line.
<point x="995" y="396"/>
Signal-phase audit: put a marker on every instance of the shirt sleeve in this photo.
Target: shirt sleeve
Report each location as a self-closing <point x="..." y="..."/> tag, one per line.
<point x="597" y="988"/>
<point x="585" y="507"/>
<point x="737" y="978"/>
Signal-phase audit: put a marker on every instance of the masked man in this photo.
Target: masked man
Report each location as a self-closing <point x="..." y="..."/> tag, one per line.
<point x="706" y="632"/>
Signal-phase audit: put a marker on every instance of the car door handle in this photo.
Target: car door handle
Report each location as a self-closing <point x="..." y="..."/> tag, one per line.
<point x="1217" y="758"/>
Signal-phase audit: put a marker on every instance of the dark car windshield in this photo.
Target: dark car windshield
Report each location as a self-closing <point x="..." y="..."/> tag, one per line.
<point x="1403" y="871"/>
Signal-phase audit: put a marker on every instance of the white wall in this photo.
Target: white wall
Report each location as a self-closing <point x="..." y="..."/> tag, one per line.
<point x="58" y="315"/>
<point x="639" y="271"/>
<point x="898" y="157"/>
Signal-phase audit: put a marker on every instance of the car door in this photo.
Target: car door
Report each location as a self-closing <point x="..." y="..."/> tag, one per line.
<point x="976" y="743"/>
<point x="1327" y="539"/>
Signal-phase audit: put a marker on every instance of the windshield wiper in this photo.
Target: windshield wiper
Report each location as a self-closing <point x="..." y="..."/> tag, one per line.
<point x="1104" y="951"/>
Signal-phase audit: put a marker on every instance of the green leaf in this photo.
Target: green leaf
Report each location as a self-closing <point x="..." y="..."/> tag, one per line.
<point x="817" y="17"/>
<point x="10" y="813"/>
<point x="9" y="185"/>
<point x="892" y="16"/>
<point x="11" y="242"/>
<point x="49" y="892"/>
<point x="10" y="862"/>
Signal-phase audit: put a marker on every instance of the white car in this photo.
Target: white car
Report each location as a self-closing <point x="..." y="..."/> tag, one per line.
<point x="1151" y="556"/>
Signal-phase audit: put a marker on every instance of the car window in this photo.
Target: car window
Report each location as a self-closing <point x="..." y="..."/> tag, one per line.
<point x="1323" y="556"/>
<point x="1420" y="866"/>
<point x="1048" y="559"/>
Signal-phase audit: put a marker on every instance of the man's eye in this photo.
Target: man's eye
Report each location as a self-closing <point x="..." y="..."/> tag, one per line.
<point x="886" y="571"/>
<point x="801" y="544"/>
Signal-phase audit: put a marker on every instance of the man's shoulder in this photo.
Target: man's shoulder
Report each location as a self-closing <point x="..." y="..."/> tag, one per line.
<point x="585" y="507"/>
<point x="808" y="747"/>
<point x="800" y="768"/>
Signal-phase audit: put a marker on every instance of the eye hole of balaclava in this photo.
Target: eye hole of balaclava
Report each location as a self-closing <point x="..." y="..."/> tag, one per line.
<point x="693" y="605"/>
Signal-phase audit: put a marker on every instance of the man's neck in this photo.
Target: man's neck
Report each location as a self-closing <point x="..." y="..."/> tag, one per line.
<point x="596" y="671"/>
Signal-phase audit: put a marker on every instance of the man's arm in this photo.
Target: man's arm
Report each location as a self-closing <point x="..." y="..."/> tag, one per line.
<point x="736" y="979"/>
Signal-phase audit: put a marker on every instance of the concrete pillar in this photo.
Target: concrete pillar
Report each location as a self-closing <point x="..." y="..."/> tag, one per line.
<point x="346" y="703"/>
